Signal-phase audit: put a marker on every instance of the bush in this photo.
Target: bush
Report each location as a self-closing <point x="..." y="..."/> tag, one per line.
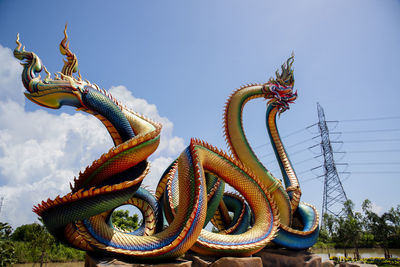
<point x="380" y="261"/>
<point x="7" y="248"/>
<point x="33" y="243"/>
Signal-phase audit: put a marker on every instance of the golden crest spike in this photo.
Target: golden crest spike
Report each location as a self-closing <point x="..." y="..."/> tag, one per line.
<point x="66" y="35"/>
<point x="79" y="76"/>
<point x="18" y="43"/>
<point x="48" y="75"/>
<point x="64" y="42"/>
<point x="286" y="77"/>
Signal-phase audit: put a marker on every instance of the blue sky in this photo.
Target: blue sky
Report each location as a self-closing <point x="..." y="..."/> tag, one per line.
<point x="178" y="61"/>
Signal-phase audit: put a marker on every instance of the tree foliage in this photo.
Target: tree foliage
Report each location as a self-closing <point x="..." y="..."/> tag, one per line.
<point x="349" y="228"/>
<point x="28" y="232"/>
<point x="367" y="229"/>
<point x="125" y="222"/>
<point x="38" y="239"/>
<point x="385" y="228"/>
<point x="34" y="243"/>
<point x="7" y="248"/>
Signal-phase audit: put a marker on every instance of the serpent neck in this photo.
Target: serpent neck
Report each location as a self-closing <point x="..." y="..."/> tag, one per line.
<point x="121" y="123"/>
<point x="242" y="150"/>
<point x="236" y="138"/>
<point x="288" y="173"/>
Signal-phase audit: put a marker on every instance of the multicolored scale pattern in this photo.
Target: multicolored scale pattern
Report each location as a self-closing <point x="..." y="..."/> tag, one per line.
<point x="190" y="192"/>
<point x="287" y="199"/>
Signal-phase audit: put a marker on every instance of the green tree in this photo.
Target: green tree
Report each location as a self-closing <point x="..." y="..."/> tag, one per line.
<point x="329" y="221"/>
<point x="367" y="230"/>
<point x="323" y="236"/>
<point x="382" y="227"/>
<point x="26" y="232"/>
<point x="394" y="218"/>
<point x="38" y="238"/>
<point x="125" y="222"/>
<point x="327" y="231"/>
<point x="349" y="228"/>
<point x="7" y="248"/>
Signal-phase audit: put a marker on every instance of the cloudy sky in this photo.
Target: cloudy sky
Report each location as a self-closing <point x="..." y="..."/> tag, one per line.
<point x="178" y="61"/>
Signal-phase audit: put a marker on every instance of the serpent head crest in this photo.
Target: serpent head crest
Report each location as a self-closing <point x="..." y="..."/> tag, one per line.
<point x="280" y="89"/>
<point x="53" y="92"/>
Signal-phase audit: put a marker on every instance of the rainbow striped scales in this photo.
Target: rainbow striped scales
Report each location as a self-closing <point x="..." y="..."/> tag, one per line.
<point x="191" y="191"/>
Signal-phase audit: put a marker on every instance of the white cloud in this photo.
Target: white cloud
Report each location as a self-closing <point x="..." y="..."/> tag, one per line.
<point x="10" y="77"/>
<point x="40" y="153"/>
<point x="376" y="208"/>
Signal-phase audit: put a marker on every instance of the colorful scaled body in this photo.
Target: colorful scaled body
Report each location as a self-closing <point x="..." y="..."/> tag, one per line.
<point x="190" y="192"/>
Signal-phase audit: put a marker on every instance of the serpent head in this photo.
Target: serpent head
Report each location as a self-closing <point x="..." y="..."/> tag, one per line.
<point x="279" y="90"/>
<point x="51" y="93"/>
<point x="68" y="90"/>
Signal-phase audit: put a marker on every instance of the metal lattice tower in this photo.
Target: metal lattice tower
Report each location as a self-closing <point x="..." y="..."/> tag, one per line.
<point x="334" y="195"/>
<point x="1" y="203"/>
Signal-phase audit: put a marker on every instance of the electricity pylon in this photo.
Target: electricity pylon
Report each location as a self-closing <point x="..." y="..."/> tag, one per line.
<point x="334" y="195"/>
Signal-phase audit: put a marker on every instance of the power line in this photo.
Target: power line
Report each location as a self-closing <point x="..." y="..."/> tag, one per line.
<point x="372" y="119"/>
<point x="260" y="146"/>
<point x="377" y="172"/>
<point x="284" y="137"/>
<point x="371" y="131"/>
<point x="365" y="131"/>
<point x="295" y="132"/>
<point x="303" y="172"/>
<point x="308" y="180"/>
<point x="293" y="153"/>
<point x="344" y="132"/>
<point x="375" y="163"/>
<point x="1" y="203"/>
<point x="305" y="160"/>
<point x="299" y="143"/>
<point x="373" y="140"/>
<point x="296" y="163"/>
<point x="374" y="151"/>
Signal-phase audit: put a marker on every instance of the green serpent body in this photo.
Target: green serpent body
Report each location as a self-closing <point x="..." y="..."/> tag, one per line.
<point x="190" y="192"/>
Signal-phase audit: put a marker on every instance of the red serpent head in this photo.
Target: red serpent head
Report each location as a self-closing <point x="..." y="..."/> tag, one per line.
<point x="280" y="90"/>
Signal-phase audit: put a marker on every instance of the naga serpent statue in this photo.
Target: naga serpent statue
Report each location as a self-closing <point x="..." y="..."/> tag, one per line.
<point x="189" y="194"/>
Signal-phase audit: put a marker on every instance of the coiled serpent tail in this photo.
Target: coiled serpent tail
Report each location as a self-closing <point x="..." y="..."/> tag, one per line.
<point x="189" y="194"/>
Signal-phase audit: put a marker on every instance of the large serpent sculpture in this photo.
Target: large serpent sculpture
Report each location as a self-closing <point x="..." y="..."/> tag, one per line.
<point x="190" y="192"/>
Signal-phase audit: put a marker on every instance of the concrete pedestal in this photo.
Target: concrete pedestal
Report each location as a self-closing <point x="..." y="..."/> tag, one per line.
<point x="266" y="257"/>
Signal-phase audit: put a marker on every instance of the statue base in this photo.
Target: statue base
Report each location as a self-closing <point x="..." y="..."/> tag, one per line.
<point x="266" y="257"/>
